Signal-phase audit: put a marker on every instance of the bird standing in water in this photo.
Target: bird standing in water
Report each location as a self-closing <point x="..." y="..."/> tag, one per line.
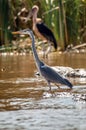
<point x="41" y="30"/>
<point x="49" y="74"/>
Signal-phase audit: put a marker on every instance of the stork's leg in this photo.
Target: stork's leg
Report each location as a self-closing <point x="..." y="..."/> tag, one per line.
<point x="48" y="49"/>
<point x="43" y="49"/>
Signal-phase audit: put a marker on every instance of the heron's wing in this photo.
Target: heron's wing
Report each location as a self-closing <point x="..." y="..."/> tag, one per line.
<point x="52" y="76"/>
<point x="46" y="32"/>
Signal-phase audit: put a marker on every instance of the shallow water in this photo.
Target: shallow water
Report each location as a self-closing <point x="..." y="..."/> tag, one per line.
<point x="26" y="102"/>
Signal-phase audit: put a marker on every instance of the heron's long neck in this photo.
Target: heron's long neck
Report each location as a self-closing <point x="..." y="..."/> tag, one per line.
<point x="35" y="52"/>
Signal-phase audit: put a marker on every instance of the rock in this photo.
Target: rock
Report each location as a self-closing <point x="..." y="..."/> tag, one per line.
<point x="68" y="71"/>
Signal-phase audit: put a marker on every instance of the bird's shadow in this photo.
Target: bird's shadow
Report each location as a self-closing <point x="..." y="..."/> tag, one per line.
<point x="56" y="91"/>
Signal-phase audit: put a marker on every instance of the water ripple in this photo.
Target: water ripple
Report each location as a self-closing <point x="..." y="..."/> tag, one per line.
<point x="21" y="80"/>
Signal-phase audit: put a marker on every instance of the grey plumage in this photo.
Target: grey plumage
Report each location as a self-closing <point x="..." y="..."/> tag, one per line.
<point x="49" y="74"/>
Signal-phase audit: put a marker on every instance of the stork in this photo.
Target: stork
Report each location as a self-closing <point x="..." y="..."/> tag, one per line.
<point x="41" y="30"/>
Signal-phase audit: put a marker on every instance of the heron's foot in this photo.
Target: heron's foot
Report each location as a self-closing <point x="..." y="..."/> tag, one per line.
<point x="49" y="85"/>
<point x="57" y="85"/>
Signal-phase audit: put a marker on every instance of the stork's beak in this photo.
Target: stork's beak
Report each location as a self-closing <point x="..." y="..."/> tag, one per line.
<point x="29" y="16"/>
<point x="17" y="32"/>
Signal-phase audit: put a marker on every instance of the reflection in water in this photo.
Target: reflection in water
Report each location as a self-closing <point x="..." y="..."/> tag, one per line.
<point x="26" y="103"/>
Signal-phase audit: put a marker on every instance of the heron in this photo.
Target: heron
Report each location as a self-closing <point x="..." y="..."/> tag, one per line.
<point x="49" y="74"/>
<point x="42" y="31"/>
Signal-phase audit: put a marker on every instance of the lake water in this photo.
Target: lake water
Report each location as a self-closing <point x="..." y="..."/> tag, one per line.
<point x="26" y="102"/>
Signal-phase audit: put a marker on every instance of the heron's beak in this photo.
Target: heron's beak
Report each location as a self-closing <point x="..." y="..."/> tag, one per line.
<point x="17" y="32"/>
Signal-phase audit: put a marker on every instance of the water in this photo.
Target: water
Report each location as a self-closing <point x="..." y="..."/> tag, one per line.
<point x="26" y="103"/>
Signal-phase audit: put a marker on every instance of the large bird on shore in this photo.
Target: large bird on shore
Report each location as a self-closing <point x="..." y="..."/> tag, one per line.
<point x="41" y="30"/>
<point x="49" y="74"/>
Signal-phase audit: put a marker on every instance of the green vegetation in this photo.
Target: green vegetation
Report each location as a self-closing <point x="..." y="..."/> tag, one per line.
<point x="66" y="18"/>
<point x="3" y="21"/>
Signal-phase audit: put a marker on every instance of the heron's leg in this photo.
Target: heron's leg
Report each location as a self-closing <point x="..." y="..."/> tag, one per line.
<point x="49" y="85"/>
